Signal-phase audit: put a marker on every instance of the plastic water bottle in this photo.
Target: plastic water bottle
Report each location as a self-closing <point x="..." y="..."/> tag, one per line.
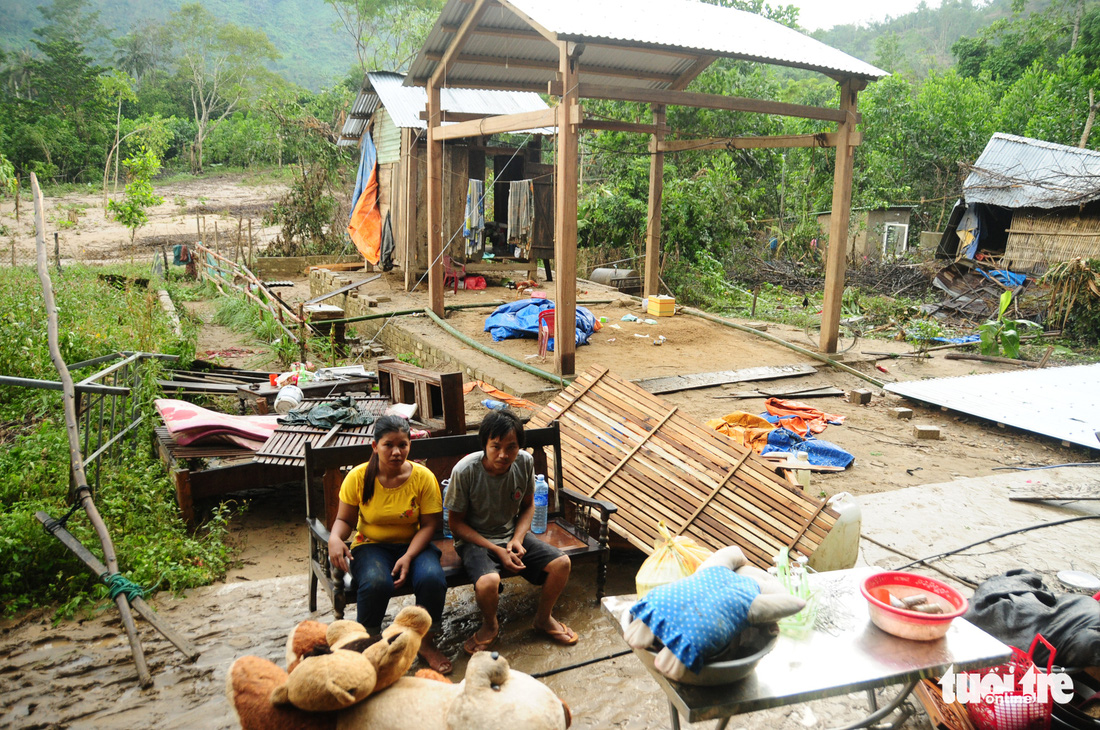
<point x="494" y="405"/>
<point x="446" y="513"/>
<point x="542" y="502"/>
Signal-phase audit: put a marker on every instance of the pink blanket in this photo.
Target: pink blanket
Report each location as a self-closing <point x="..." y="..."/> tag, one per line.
<point x="189" y="424"/>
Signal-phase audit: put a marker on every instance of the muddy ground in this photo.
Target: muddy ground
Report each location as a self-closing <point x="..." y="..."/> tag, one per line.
<point x="78" y="674"/>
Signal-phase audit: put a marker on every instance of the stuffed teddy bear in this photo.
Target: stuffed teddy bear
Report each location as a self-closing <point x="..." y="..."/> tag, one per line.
<point x="491" y="697"/>
<point x="396" y="651"/>
<point x="699" y="616"/>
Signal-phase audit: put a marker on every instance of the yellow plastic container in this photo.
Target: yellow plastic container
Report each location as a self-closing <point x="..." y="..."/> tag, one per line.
<point x="661" y="306"/>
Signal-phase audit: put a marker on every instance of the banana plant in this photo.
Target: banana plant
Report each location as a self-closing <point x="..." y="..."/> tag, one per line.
<point x="1003" y="332"/>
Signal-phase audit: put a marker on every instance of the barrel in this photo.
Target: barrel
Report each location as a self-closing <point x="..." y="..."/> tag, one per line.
<point x="611" y="277"/>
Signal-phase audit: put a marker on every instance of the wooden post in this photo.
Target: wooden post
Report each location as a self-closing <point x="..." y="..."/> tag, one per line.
<point x="565" y="213"/>
<point x="408" y="209"/>
<point x="57" y="252"/>
<point x="837" y="256"/>
<point x="217" y="245"/>
<point x="435" y="204"/>
<point x="16" y="198"/>
<point x="249" y="243"/>
<point x="238" y="254"/>
<point x="656" y="190"/>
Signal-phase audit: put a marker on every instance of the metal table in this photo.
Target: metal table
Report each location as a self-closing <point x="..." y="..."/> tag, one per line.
<point x="844" y="653"/>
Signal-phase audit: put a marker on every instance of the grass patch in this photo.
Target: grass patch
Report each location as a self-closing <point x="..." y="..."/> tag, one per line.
<point x="135" y="496"/>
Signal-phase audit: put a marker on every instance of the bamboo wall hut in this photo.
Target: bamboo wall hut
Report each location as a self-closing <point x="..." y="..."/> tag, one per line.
<point x="391" y="114"/>
<point x="1027" y="204"/>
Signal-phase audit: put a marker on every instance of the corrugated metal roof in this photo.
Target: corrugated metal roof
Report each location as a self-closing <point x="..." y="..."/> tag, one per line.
<point x="629" y="35"/>
<point x="1062" y="403"/>
<point x="1019" y="172"/>
<point x="404" y="104"/>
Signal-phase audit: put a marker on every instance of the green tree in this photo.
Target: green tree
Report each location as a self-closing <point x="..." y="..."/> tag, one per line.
<point x="131" y="210"/>
<point x="387" y="33"/>
<point x="222" y="64"/>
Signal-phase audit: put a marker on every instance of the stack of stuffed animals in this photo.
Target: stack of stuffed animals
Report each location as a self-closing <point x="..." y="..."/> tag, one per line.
<point x="339" y="678"/>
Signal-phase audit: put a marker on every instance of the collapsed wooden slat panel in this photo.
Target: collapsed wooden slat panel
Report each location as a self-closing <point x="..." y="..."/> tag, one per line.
<point x="656" y="464"/>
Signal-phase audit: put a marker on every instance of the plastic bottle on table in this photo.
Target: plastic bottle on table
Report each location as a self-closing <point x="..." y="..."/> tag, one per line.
<point x="542" y="503"/>
<point x="446" y="513"/>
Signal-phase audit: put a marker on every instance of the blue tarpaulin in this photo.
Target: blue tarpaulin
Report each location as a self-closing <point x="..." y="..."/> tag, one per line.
<point x="965" y="339"/>
<point x="1009" y="278"/>
<point x="366" y="165"/>
<point x="521" y="319"/>
<point x="820" y="453"/>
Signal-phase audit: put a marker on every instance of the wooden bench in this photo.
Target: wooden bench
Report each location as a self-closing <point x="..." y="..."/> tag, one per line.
<point x="577" y="525"/>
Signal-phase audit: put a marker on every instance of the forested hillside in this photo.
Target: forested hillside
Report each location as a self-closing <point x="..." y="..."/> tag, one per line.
<point x="314" y="52"/>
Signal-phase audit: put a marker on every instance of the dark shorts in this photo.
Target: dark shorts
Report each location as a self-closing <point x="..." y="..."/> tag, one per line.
<point x="478" y="561"/>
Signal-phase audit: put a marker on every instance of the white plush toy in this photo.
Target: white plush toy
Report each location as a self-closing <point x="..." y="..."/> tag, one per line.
<point x="699" y="616"/>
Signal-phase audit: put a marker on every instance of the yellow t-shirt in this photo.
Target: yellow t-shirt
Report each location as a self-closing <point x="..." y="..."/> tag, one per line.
<point x="392" y="515"/>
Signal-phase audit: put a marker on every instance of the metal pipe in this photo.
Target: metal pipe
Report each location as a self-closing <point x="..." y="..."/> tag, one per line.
<point x="556" y="379"/>
<point x="54" y="385"/>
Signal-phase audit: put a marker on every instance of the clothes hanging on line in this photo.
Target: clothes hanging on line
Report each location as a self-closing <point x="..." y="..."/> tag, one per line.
<point x="388" y="246"/>
<point x="473" y="229"/>
<point x="521" y="216"/>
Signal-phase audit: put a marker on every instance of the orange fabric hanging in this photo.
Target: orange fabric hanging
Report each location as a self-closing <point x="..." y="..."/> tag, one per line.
<point x="365" y="226"/>
<point x="744" y="428"/>
<point x="805" y="419"/>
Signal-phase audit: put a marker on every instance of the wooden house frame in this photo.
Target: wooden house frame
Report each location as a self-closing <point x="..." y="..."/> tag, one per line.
<point x="392" y="114"/>
<point x="645" y="51"/>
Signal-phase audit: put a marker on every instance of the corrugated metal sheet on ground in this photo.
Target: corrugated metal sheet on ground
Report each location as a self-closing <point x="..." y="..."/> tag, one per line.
<point x="639" y="452"/>
<point x="1020" y="172"/>
<point x="1062" y="403"/>
<point x="625" y="27"/>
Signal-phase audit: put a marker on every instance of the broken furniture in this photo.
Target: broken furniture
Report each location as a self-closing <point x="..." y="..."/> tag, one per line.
<point x="438" y="396"/>
<point x="262" y="395"/>
<point x="628" y="446"/>
<point x="810" y="668"/>
<point x="577" y="525"/>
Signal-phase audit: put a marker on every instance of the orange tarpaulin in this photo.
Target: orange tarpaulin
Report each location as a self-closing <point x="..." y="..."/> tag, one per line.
<point x="365" y="226"/>
<point x="803" y="417"/>
<point x="744" y="428"/>
<point x="499" y="394"/>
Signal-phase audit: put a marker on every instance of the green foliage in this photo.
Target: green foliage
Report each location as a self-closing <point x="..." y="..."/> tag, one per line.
<point x="131" y="211"/>
<point x="1002" y="331"/>
<point x="387" y="33"/>
<point x="409" y="358"/>
<point x="7" y="175"/>
<point x="135" y="497"/>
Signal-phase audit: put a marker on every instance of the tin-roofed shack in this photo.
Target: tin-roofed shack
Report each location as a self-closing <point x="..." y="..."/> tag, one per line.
<point x="1027" y="204"/>
<point x="392" y="115"/>
<point x="643" y="51"/>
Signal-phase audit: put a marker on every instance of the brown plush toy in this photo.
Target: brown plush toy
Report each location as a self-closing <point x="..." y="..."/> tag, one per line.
<point x="395" y="653"/>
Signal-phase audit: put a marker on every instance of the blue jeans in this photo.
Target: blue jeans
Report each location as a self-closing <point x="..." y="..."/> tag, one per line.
<point x="372" y="565"/>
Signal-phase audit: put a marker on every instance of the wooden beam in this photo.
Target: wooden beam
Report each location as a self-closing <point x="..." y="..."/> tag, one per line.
<point x="704" y="101"/>
<point x="824" y="139"/>
<point x="653" y="219"/>
<point x="836" y="256"/>
<point x="457" y="42"/>
<point x="519" y="33"/>
<point x="565" y="216"/>
<point x="447" y="116"/>
<point x="411" y="163"/>
<point x="544" y="32"/>
<point x="552" y="66"/>
<point x="694" y="70"/>
<point x="608" y="125"/>
<point x="453" y="83"/>
<point x="435" y="205"/>
<point x="496" y="125"/>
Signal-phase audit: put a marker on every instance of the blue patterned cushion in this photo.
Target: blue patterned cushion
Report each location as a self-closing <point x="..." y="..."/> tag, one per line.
<point x="697" y="617"/>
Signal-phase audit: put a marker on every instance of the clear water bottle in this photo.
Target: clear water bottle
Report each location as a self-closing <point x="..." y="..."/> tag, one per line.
<point x="542" y="502"/>
<point x="446" y="513"/>
<point x="494" y="405"/>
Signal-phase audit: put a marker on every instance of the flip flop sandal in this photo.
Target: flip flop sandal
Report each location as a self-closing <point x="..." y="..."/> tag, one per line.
<point x="473" y="645"/>
<point x="564" y="636"/>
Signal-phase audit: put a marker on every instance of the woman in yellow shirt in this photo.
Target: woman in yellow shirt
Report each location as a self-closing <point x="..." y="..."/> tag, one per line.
<point x="395" y="507"/>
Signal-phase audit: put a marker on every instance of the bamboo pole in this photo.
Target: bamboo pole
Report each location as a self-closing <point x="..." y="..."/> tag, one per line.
<point x="249" y="243"/>
<point x="82" y="491"/>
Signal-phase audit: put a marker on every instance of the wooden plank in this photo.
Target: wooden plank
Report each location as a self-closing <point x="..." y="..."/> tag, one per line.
<point x="703" y="101"/>
<point x="458" y="40"/>
<point x="435" y="205"/>
<point x="1049" y="492"/>
<point x="630" y="454"/>
<point x="537" y="63"/>
<point x="786" y="141"/>
<point x="676" y="383"/>
<point x="836" y="254"/>
<point x="497" y="125"/>
<point x="609" y="125"/>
